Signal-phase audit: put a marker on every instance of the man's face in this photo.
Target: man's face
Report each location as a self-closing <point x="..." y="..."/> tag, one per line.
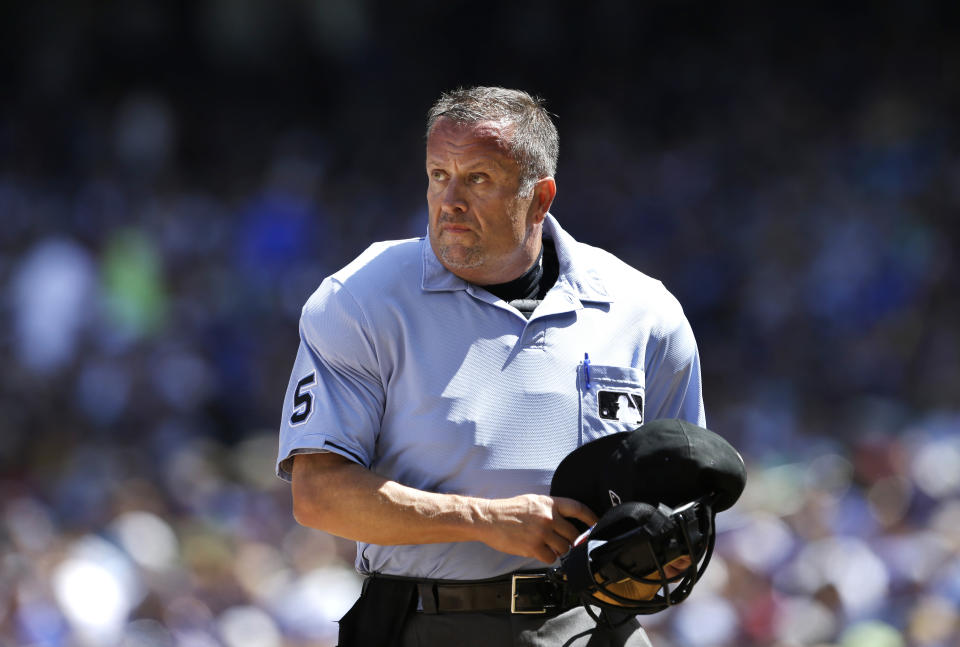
<point x="480" y="228"/>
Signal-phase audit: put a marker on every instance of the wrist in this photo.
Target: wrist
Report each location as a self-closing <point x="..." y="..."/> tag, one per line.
<point x="478" y="518"/>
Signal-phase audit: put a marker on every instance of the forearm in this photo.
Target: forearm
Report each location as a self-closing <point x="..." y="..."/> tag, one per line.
<point x="345" y="499"/>
<point x="340" y="497"/>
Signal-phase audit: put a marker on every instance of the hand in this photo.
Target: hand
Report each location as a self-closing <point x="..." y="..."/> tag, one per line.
<point x="533" y="525"/>
<point x="636" y="590"/>
<point x="674" y="568"/>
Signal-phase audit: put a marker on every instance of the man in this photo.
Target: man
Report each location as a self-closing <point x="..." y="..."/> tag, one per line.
<point x="440" y="381"/>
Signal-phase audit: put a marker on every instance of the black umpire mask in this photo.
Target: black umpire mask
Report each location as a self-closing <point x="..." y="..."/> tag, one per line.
<point x="657" y="490"/>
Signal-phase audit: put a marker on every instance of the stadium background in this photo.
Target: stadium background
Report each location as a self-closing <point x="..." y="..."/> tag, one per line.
<point x="176" y="178"/>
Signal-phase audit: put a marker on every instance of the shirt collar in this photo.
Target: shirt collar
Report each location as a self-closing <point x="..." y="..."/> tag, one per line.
<point x="577" y="276"/>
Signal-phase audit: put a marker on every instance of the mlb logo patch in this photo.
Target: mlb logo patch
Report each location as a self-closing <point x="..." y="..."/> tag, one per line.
<point x="620" y="406"/>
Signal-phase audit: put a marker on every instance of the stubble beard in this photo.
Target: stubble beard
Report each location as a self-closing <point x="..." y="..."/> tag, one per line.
<point x="461" y="258"/>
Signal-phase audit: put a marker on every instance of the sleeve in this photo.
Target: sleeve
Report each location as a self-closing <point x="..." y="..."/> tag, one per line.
<point x="335" y="397"/>
<point x="673" y="387"/>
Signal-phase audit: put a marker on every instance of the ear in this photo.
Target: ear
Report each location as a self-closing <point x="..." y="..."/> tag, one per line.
<point x="544" y="192"/>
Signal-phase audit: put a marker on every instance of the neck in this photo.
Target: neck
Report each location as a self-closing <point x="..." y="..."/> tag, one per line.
<point x="525" y="286"/>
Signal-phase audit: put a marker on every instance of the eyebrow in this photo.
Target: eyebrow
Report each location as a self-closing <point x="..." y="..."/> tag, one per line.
<point x="484" y="162"/>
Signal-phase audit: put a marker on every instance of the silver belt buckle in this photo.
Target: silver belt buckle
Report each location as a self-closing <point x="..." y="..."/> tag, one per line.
<point x="514" y="594"/>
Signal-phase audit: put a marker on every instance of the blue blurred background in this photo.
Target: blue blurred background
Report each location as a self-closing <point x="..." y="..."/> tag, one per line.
<point x="177" y="177"/>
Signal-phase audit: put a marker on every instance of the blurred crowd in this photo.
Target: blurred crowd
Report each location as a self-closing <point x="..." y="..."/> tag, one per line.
<point x="175" y="182"/>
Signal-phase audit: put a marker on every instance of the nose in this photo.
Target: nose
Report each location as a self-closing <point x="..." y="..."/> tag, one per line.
<point x="452" y="200"/>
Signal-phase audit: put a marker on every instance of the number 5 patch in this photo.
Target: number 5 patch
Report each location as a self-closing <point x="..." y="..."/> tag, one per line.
<point x="303" y="400"/>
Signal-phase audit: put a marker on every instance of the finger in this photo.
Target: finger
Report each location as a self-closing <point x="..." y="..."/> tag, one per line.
<point x="677" y="566"/>
<point x="576" y="510"/>
<point x="566" y="530"/>
<point x="558" y="544"/>
<point x="545" y="554"/>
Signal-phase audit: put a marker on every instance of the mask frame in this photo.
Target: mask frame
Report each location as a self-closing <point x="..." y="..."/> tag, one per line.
<point x="631" y="545"/>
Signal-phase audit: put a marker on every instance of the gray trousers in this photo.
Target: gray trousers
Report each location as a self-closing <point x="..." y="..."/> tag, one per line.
<point x="574" y="628"/>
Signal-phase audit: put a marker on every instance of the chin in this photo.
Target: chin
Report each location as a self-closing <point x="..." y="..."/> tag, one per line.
<point x="455" y="257"/>
<point x="463" y="267"/>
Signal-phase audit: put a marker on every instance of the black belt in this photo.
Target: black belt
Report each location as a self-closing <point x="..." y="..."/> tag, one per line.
<point x="519" y="593"/>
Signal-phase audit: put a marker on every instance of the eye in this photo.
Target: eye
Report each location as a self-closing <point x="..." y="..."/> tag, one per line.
<point x="437" y="175"/>
<point x="477" y="178"/>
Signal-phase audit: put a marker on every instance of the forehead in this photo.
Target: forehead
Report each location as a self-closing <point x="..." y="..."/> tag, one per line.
<point x="487" y="138"/>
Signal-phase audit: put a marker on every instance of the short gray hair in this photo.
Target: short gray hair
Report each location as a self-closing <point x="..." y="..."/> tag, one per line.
<point x="534" y="143"/>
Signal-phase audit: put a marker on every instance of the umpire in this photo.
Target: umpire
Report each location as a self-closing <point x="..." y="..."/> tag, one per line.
<point x="441" y="380"/>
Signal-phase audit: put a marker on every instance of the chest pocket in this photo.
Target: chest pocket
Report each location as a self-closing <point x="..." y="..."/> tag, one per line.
<point x="613" y="402"/>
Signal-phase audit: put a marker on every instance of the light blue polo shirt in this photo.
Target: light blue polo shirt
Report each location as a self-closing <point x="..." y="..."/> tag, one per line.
<point x="437" y="384"/>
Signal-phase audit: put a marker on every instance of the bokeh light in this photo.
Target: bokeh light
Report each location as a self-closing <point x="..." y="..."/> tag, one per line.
<point x="96" y="587"/>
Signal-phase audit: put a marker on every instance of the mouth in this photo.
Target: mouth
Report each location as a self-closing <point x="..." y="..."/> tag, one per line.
<point x="455" y="228"/>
